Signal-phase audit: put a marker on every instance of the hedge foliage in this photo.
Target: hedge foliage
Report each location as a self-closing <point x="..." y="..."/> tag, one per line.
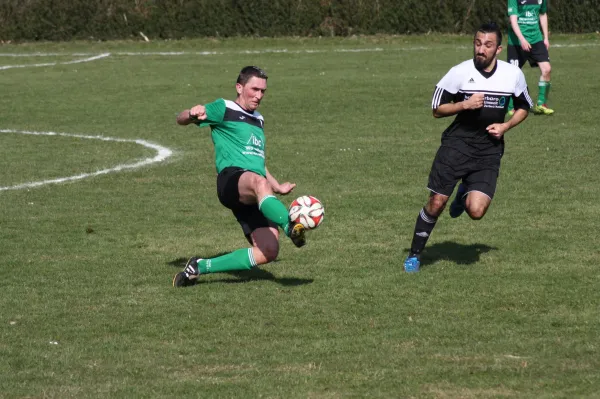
<point x="27" y="20"/>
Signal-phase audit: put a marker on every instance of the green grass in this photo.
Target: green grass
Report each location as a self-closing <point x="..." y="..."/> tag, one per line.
<point x="503" y="308"/>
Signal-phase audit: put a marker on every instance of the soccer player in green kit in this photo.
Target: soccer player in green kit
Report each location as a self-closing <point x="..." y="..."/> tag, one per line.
<point x="528" y="41"/>
<point x="244" y="183"/>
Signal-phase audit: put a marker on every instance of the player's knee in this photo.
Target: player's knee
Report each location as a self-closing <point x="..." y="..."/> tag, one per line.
<point x="261" y="185"/>
<point x="436" y="205"/>
<point x="270" y="252"/>
<point x="476" y="212"/>
<point x="546" y="72"/>
<point x="253" y="183"/>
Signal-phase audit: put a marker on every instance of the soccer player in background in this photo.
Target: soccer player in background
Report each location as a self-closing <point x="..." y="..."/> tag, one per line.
<point x="527" y="42"/>
<point x="244" y="183"/>
<point x="477" y="92"/>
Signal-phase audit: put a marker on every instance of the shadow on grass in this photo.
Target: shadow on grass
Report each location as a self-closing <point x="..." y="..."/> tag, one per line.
<point x="243" y="276"/>
<point x="454" y="252"/>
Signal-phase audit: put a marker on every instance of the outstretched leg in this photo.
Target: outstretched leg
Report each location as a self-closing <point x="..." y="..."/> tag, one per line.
<point x="265" y="249"/>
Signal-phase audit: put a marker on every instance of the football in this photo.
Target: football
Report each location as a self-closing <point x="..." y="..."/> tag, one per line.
<point x="307" y="210"/>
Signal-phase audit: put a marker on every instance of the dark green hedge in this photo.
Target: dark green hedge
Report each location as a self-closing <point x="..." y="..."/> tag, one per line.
<point x="25" y="20"/>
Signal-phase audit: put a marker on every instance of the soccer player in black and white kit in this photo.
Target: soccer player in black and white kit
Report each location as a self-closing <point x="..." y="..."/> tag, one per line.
<point x="477" y="91"/>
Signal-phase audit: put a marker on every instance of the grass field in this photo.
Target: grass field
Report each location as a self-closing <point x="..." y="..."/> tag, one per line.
<point x="507" y="307"/>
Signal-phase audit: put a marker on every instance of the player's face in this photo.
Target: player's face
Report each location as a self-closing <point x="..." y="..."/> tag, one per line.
<point x="485" y="50"/>
<point x="250" y="95"/>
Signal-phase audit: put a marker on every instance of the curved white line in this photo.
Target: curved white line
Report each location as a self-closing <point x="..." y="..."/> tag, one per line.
<point x="162" y="153"/>
<point x="88" y="59"/>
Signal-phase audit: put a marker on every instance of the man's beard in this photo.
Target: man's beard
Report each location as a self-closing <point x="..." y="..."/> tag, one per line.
<point x="481" y="62"/>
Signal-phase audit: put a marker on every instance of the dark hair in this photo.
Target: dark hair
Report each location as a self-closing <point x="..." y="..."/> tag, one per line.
<point x="491" y="27"/>
<point x="250" y="71"/>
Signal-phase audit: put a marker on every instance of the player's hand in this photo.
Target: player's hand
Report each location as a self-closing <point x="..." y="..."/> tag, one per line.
<point x="198" y="112"/>
<point x="474" y="102"/>
<point x="497" y="130"/>
<point x="286" y="188"/>
<point x="525" y="45"/>
<point x="547" y="43"/>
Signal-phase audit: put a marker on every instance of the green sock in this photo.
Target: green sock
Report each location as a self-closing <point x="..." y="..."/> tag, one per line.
<point x="275" y="211"/>
<point x="242" y="259"/>
<point x="544" y="92"/>
<point x="511" y="106"/>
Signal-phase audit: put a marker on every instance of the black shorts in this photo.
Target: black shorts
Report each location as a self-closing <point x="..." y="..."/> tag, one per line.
<point x="538" y="53"/>
<point x="248" y="216"/>
<point x="450" y="166"/>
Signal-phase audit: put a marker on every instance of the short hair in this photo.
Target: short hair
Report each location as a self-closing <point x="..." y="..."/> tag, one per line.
<point x="491" y="27"/>
<point x="251" y="71"/>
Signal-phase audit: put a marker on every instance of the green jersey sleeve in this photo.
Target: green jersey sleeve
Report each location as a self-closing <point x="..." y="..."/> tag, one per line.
<point x="215" y="112"/>
<point x="544" y="7"/>
<point x="512" y="8"/>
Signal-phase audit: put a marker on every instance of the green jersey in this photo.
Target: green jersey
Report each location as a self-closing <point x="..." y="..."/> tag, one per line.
<point x="238" y="136"/>
<point x="528" y="16"/>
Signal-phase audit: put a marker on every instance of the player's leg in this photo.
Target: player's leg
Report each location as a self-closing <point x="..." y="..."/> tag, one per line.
<point x="544" y="89"/>
<point x="426" y="221"/>
<point x="442" y="179"/>
<point x="255" y="189"/>
<point x="265" y="244"/>
<point x="480" y="187"/>
<point x="477" y="204"/>
<point x="539" y="57"/>
<point x="457" y="207"/>
<point x="265" y="248"/>
<point x="241" y="259"/>
<point x="515" y="57"/>
<point x="259" y="231"/>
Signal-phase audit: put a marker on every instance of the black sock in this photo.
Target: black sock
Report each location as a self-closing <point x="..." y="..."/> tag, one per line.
<point x="423" y="228"/>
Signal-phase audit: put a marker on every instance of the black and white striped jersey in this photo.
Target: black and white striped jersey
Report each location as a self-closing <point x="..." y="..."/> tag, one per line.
<point x="468" y="133"/>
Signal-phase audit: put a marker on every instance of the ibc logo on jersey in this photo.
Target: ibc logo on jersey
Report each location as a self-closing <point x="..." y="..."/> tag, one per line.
<point x="255" y="141"/>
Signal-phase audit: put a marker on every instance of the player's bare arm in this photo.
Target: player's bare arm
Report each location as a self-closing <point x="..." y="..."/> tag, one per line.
<point x="279" y="188"/>
<point x="449" y="109"/>
<point x="187" y="116"/>
<point x="497" y="130"/>
<point x="544" y="26"/>
<point x="514" y="23"/>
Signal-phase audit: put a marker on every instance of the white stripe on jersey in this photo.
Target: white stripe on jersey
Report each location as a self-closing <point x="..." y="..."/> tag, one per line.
<point x="502" y="93"/>
<point x="529" y="100"/>
<point x="437" y="96"/>
<point x="507" y="80"/>
<point x="233" y="105"/>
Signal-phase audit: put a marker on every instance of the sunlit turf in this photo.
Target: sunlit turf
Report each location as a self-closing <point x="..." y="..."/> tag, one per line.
<point x="503" y="307"/>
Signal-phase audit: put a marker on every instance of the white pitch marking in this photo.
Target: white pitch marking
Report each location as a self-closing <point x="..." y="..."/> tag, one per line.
<point x="44" y="54"/>
<point x="162" y="153"/>
<point x="166" y="53"/>
<point x="264" y="51"/>
<point x="96" y="57"/>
